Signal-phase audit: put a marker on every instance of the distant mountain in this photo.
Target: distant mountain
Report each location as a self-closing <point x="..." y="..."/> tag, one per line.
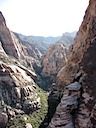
<point x="40" y="42"/>
<point x="48" y="39"/>
<point x="72" y="34"/>
<point x="43" y="43"/>
<point x="67" y="38"/>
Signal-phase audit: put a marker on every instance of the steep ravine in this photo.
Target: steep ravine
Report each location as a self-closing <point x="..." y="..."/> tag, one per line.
<point x="55" y="59"/>
<point x="68" y="72"/>
<point x="22" y="102"/>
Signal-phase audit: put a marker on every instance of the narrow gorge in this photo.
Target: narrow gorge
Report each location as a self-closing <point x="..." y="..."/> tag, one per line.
<point x="49" y="82"/>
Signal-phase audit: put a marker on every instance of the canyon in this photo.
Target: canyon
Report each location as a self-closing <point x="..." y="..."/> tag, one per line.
<point x="48" y="82"/>
<point x="22" y="102"/>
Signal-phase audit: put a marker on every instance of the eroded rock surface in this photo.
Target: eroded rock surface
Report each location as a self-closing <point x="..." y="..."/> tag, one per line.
<point x="80" y="67"/>
<point x="9" y="42"/>
<point x="17" y="91"/>
<point x="69" y="102"/>
<point x="54" y="60"/>
<point x="17" y="86"/>
<point x="12" y="45"/>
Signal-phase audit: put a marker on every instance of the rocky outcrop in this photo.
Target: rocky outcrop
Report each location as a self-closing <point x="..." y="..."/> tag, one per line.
<point x="8" y="40"/>
<point x="12" y="45"/>
<point x="80" y="67"/>
<point x="66" y="108"/>
<point x="68" y="38"/>
<point x="84" y="40"/>
<point x="18" y="93"/>
<point x="29" y="49"/>
<point x="13" y="90"/>
<point x="55" y="59"/>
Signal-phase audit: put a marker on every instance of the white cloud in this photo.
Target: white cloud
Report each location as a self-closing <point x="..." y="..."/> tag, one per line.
<point x="44" y="17"/>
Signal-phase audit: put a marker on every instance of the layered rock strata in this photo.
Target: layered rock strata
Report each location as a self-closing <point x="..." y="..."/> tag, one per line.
<point x="12" y="45"/>
<point x="64" y="117"/>
<point x="18" y="93"/>
<point x="81" y="66"/>
<point x="54" y="60"/>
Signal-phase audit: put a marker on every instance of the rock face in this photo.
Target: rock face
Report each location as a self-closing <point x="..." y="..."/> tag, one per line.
<point x="68" y="38"/>
<point x="12" y="90"/>
<point x="43" y="43"/>
<point x="17" y="92"/>
<point x="31" y="53"/>
<point x="78" y="106"/>
<point x="12" y="45"/>
<point x="69" y="102"/>
<point x="56" y="57"/>
<point x="36" y="47"/>
<point x="54" y="60"/>
<point x="9" y="43"/>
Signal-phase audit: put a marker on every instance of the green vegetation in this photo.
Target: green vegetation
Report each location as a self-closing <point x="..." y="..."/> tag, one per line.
<point x="36" y="118"/>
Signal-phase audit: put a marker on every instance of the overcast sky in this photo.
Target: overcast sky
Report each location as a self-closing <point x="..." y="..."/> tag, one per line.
<point x="43" y="17"/>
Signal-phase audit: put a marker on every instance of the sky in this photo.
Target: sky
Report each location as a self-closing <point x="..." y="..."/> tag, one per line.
<point x="43" y="17"/>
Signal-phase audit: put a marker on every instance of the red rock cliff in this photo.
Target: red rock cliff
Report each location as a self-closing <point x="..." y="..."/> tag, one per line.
<point x="77" y="79"/>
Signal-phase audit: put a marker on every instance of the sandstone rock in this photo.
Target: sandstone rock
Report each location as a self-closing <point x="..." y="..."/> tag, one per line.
<point x="74" y="86"/>
<point x="81" y="58"/>
<point x="2" y="20"/>
<point x="16" y="87"/>
<point x="8" y="40"/>
<point x="69" y="102"/>
<point x="80" y="47"/>
<point x="12" y="45"/>
<point x="54" y="59"/>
